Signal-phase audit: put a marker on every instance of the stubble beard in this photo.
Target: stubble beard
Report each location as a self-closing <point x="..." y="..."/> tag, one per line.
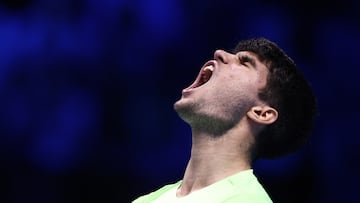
<point x="199" y="121"/>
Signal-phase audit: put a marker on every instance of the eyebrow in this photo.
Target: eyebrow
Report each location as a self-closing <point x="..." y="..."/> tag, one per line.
<point x="246" y="58"/>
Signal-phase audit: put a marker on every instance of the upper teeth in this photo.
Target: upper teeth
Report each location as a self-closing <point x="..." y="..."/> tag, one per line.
<point x="209" y="67"/>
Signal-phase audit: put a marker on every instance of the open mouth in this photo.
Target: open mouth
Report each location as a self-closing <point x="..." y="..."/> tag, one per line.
<point x="204" y="75"/>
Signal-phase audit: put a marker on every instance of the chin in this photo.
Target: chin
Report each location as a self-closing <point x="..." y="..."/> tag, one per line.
<point x="180" y="105"/>
<point x="184" y="109"/>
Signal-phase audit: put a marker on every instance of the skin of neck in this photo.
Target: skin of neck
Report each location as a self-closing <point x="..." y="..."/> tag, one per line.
<point x="214" y="158"/>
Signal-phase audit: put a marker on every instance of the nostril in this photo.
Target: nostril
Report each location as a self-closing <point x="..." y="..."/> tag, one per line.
<point x="221" y="59"/>
<point x="219" y="55"/>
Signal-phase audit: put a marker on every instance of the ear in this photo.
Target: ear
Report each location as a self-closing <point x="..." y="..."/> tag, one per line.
<point x="263" y="114"/>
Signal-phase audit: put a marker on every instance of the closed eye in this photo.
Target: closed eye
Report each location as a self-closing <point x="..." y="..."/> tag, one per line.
<point x="245" y="60"/>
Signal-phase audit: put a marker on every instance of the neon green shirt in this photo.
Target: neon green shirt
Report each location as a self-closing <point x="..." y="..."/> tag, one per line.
<point x="242" y="187"/>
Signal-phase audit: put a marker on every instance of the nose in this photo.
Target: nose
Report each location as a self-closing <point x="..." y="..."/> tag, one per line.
<point x="222" y="56"/>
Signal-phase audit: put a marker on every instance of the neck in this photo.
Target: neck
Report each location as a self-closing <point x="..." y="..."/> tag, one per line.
<point x="214" y="158"/>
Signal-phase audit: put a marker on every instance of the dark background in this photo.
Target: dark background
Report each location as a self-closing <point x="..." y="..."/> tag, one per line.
<point x="87" y="90"/>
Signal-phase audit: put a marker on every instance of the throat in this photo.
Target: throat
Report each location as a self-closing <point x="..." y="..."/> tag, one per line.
<point x="211" y="126"/>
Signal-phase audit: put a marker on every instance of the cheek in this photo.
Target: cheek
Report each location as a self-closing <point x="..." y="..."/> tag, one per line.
<point x="236" y="95"/>
<point x="262" y="79"/>
<point x="236" y="104"/>
<point x="240" y="84"/>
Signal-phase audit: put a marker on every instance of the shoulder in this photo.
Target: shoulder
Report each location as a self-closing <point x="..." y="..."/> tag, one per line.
<point x="247" y="188"/>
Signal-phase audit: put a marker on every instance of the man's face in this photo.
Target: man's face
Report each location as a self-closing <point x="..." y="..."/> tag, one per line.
<point x="225" y="89"/>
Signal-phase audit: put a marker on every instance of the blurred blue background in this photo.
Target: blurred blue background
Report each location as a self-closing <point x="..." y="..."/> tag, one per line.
<point x="87" y="90"/>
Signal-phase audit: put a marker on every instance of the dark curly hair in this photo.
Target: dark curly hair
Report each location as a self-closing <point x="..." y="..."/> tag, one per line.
<point x="289" y="93"/>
